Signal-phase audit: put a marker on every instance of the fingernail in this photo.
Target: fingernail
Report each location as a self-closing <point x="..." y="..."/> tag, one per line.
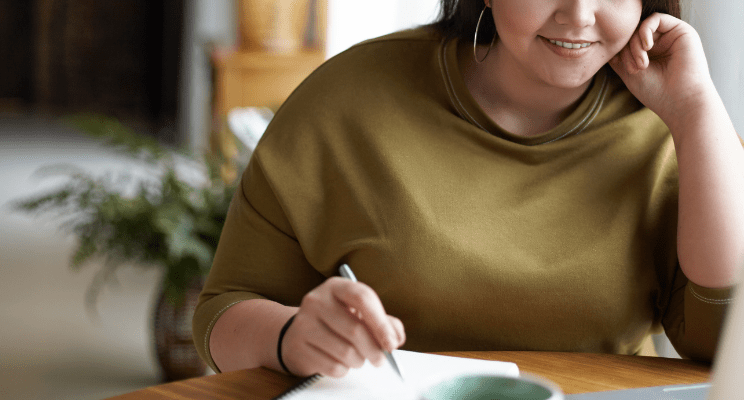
<point x="640" y="62"/>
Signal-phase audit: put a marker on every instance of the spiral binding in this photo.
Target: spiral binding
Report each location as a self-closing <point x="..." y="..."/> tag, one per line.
<point x="287" y="394"/>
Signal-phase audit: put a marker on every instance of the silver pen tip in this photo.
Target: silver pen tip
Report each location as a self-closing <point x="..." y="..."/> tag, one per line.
<point x="392" y="362"/>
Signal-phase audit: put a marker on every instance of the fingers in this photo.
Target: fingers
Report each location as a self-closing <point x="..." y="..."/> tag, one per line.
<point x="623" y="63"/>
<point x="354" y="335"/>
<point x="646" y="30"/>
<point x="320" y="362"/>
<point x="399" y="330"/>
<point x="311" y="347"/>
<point x="339" y="325"/>
<point x="635" y="56"/>
<point x="657" y="24"/>
<point x="638" y="57"/>
<point x="345" y="341"/>
<point x="364" y="300"/>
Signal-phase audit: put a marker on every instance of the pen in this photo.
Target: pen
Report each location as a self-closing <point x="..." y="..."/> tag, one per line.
<point x="346" y="272"/>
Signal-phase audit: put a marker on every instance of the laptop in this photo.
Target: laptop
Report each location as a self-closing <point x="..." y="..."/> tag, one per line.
<point x="727" y="375"/>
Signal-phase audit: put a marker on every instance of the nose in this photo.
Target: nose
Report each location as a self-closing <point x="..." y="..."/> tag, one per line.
<point x="578" y="13"/>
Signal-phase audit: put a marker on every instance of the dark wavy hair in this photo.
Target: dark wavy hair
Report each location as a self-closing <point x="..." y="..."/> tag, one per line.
<point x="458" y="18"/>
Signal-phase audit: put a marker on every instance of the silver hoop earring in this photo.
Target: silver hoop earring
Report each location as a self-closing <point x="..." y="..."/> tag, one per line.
<point x="475" y="40"/>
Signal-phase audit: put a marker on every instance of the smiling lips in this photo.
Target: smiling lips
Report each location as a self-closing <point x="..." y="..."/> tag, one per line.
<point x="570" y="45"/>
<point x="568" y="49"/>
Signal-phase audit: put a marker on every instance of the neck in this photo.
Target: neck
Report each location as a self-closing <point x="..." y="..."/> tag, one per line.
<point x="519" y="103"/>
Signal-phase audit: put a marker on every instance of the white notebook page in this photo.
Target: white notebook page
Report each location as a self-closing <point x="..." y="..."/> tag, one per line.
<point x="418" y="369"/>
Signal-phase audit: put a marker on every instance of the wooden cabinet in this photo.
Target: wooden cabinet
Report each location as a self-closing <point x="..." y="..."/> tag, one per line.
<point x="244" y="79"/>
<point x="261" y="77"/>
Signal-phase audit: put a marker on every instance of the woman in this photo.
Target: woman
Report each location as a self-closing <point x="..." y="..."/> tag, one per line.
<point x="570" y="183"/>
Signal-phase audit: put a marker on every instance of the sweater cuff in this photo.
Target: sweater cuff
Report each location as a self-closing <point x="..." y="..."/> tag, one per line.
<point x="207" y="314"/>
<point x="712" y="296"/>
<point x="705" y="311"/>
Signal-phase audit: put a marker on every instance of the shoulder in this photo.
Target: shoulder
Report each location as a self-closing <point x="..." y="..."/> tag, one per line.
<point x="352" y="96"/>
<point x="370" y="76"/>
<point x="419" y="34"/>
<point x="397" y="54"/>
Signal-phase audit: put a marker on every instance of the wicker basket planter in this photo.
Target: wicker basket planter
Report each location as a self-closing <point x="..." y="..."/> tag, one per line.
<point x="174" y="346"/>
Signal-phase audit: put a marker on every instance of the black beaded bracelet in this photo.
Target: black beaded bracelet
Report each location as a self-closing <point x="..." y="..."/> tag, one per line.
<point x="279" y="345"/>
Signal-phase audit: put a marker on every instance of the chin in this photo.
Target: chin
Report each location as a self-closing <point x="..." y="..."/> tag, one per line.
<point x="568" y="80"/>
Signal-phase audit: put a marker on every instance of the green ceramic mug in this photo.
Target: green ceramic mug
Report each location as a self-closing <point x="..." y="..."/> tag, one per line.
<point x="491" y="387"/>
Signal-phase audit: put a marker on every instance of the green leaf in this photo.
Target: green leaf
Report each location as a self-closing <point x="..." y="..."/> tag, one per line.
<point x="167" y="222"/>
<point x="178" y="277"/>
<point x="85" y="250"/>
<point x="118" y="136"/>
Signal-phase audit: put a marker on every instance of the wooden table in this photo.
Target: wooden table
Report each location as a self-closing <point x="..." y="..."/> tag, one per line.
<point x="573" y="372"/>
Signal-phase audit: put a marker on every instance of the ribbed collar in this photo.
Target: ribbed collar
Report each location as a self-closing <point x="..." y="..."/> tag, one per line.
<point x="471" y="111"/>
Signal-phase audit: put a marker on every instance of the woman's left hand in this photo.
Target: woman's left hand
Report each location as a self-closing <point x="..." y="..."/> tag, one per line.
<point x="664" y="66"/>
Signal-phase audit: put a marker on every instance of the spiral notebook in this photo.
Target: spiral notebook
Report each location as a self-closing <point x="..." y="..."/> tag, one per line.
<point x="368" y="382"/>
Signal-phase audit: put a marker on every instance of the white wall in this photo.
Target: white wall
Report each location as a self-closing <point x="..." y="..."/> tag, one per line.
<point x="720" y="24"/>
<point x="351" y="22"/>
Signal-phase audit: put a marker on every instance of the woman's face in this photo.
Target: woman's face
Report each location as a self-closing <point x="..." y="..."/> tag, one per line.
<point x="533" y="35"/>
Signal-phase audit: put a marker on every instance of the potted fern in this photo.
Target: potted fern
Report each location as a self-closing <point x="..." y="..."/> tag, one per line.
<point x="163" y="220"/>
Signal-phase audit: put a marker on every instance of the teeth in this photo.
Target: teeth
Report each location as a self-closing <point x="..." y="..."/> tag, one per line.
<point x="570" y="45"/>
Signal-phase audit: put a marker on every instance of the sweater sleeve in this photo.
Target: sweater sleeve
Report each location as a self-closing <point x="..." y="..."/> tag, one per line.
<point x="694" y="318"/>
<point x="257" y="257"/>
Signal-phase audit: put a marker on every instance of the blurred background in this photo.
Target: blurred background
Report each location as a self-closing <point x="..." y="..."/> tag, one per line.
<point x="170" y="70"/>
<point x="173" y="71"/>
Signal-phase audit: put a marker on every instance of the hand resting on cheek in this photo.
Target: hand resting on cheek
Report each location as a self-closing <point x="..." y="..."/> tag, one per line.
<point x="664" y="66"/>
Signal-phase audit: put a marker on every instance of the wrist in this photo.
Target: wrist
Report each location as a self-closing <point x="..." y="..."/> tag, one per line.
<point x="279" y="354"/>
<point x="279" y="321"/>
<point x="244" y="336"/>
<point x="266" y="321"/>
<point x="689" y="115"/>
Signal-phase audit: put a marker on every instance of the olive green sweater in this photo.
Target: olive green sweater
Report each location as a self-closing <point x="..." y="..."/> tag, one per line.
<point x="475" y="238"/>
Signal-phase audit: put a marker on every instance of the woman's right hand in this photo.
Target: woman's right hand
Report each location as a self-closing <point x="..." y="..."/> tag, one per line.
<point x="339" y="325"/>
